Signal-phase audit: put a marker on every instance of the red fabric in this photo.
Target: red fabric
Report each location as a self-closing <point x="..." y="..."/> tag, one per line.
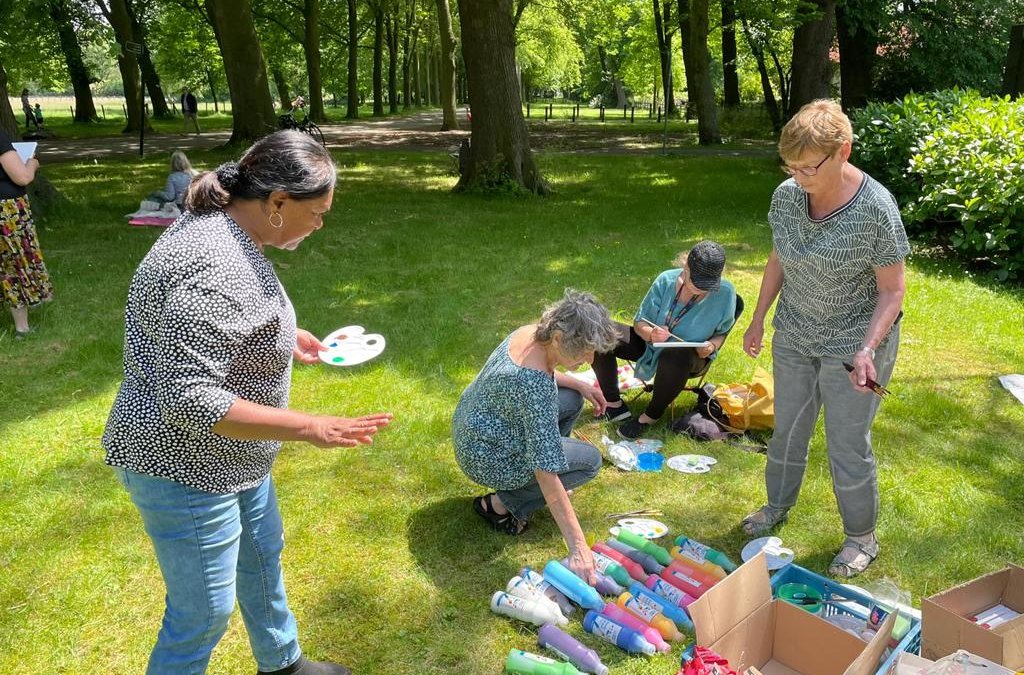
<point x="151" y="220"/>
<point x="706" y="662"/>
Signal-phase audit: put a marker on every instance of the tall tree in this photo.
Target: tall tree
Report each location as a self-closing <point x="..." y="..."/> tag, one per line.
<point x="8" y="122"/>
<point x="78" y="72"/>
<point x="409" y="36"/>
<point x="662" y="23"/>
<point x="770" y="102"/>
<point x="311" y="47"/>
<point x="252" y="107"/>
<point x="812" y="69"/>
<point x="704" y="96"/>
<point x="857" y="24"/>
<point x="120" y="20"/>
<point x="687" y="48"/>
<point x="730" y="76"/>
<point x="444" y="22"/>
<point x="378" y="59"/>
<point x="391" y="24"/>
<point x="150" y="78"/>
<point x="500" y="144"/>
<point x="352" y="102"/>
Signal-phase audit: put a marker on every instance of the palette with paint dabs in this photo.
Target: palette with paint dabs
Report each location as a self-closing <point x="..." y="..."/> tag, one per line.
<point x="351" y="345"/>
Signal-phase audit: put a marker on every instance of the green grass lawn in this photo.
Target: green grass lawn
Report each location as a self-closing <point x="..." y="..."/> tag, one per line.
<point x="388" y="569"/>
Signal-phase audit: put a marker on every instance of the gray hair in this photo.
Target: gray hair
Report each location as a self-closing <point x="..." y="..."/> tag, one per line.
<point x="179" y="162"/>
<point x="582" y="321"/>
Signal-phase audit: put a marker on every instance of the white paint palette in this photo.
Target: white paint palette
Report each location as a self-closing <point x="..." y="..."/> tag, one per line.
<point x="351" y="345"/>
<point x="647" y="528"/>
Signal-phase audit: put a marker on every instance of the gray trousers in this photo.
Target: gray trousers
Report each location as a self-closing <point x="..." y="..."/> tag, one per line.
<point x="584" y="461"/>
<point x="804" y="384"/>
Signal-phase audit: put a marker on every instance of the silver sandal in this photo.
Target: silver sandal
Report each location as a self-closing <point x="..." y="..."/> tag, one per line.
<point x="764" y="520"/>
<point x="855" y="557"/>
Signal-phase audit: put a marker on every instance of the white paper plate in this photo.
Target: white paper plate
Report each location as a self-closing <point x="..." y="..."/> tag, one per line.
<point x="645" y="527"/>
<point x="691" y="463"/>
<point x="775" y="560"/>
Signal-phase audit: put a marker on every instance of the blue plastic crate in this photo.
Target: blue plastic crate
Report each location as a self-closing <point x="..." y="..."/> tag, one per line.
<point x="854" y="604"/>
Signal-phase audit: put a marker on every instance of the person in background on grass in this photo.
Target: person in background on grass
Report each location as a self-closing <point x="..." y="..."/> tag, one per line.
<point x="198" y="421"/>
<point x="837" y="269"/>
<point x="178" y="181"/>
<point x="691" y="302"/>
<point x="38" y="114"/>
<point x="26" y="107"/>
<point x="512" y="424"/>
<point x="189" y="109"/>
<point x="24" y="281"/>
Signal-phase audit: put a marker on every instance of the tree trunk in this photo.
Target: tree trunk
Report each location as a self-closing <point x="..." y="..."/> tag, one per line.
<point x="417" y="78"/>
<point x="251" y="105"/>
<point x="610" y="73"/>
<point x="812" y="70"/>
<point x="707" y="113"/>
<point x="8" y="122"/>
<point x="281" y="84"/>
<point x="500" y="147"/>
<point x="378" y="61"/>
<point x="392" y="37"/>
<point x="311" y="48"/>
<point x="127" y="64"/>
<point x="766" y="82"/>
<point x="685" y="45"/>
<point x="213" y="90"/>
<point x="428" y="70"/>
<point x="858" y="41"/>
<point x="85" y="108"/>
<point x="408" y="48"/>
<point x="352" y="102"/>
<point x="730" y="78"/>
<point x="1013" y="75"/>
<point x="444" y="22"/>
<point x="150" y="78"/>
<point x="665" y="53"/>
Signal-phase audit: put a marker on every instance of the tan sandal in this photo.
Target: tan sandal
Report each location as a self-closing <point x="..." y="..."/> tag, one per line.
<point x="764" y="520"/>
<point x="855" y="557"/>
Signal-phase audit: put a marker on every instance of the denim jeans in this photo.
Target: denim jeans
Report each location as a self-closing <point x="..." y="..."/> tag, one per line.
<point x="212" y="548"/>
<point x="803" y="385"/>
<point x="584" y="461"/>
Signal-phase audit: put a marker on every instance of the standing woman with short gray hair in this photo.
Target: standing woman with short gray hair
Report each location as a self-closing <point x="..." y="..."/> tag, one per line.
<point x="512" y="424"/>
<point x="210" y="336"/>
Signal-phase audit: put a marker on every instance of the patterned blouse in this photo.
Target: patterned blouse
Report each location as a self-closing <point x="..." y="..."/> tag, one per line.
<point x="829" y="291"/>
<point x="506" y="424"/>
<point x="207" y="322"/>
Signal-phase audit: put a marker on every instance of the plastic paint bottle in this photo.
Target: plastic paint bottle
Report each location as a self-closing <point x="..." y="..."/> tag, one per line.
<point x="649" y="633"/>
<point x="684" y="578"/>
<point x="699" y="551"/>
<point x="647" y="562"/>
<point x="548" y="590"/>
<point x="611" y="568"/>
<point x="614" y="632"/>
<point x="649" y="612"/>
<point x="572" y="586"/>
<point x="636" y="572"/>
<point x="673" y="612"/>
<point x="710" y="568"/>
<point x="525" y="610"/>
<point x="525" y="663"/>
<point x="521" y="588"/>
<point x="669" y="591"/>
<point x="571" y="649"/>
<point x="604" y="584"/>
<point x="641" y="544"/>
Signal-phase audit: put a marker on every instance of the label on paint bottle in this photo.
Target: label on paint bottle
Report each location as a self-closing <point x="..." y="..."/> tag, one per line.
<point x="559" y="652"/>
<point x="668" y="591"/>
<point x="685" y="579"/>
<point x="694" y="551"/>
<point x="536" y="658"/>
<point x="511" y="601"/>
<point x="601" y="562"/>
<point x="647" y="608"/>
<point x="607" y="629"/>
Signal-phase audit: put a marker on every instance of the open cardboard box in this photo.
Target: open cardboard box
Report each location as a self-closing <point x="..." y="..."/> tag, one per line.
<point x="945" y="626"/>
<point x="739" y="619"/>
<point x="911" y="664"/>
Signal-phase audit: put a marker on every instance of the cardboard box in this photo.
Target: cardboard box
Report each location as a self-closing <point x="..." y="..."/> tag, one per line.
<point x="739" y="619"/>
<point x="946" y="626"/>
<point x="910" y="664"/>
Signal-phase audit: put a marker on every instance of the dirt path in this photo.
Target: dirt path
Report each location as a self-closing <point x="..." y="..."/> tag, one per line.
<point x="416" y="132"/>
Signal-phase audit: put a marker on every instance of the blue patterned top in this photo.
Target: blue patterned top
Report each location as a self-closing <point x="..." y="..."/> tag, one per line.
<point x="506" y="424"/>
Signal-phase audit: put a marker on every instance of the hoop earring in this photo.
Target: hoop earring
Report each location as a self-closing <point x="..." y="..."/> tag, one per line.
<point x="280" y="220"/>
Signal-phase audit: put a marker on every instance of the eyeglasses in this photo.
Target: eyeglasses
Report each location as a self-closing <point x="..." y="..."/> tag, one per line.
<point x="804" y="170"/>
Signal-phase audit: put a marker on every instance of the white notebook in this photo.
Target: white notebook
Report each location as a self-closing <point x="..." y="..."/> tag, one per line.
<point x="25" y="150"/>
<point x="675" y="344"/>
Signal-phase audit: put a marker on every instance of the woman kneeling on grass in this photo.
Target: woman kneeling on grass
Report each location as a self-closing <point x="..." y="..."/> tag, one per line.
<point x="209" y="340"/>
<point x="512" y="423"/>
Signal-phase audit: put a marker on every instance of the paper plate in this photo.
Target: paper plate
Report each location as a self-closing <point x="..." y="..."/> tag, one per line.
<point x="777" y="556"/>
<point x="351" y="345"/>
<point x="645" y="527"/>
<point x="691" y="463"/>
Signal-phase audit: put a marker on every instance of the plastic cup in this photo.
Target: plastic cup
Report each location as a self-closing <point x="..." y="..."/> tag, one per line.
<point x="649" y="461"/>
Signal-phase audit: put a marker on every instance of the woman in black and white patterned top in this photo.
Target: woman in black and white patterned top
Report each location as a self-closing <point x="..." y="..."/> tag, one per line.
<point x="837" y="269"/>
<point x="210" y="335"/>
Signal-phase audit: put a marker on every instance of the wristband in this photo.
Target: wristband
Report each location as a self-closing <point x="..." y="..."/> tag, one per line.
<point x="869" y="351"/>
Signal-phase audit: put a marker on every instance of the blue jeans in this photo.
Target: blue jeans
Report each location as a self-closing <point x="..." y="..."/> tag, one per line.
<point x="584" y="461"/>
<point x="212" y="548"/>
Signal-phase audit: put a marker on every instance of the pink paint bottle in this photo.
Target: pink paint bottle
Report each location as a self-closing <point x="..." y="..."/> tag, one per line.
<point x="649" y="633"/>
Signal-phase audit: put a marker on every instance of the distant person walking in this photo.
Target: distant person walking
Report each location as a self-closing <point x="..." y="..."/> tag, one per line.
<point x="26" y="107"/>
<point x="39" y="115"/>
<point x="189" y="109"/>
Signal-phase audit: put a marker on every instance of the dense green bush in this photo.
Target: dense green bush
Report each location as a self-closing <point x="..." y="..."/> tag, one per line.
<point x="955" y="162"/>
